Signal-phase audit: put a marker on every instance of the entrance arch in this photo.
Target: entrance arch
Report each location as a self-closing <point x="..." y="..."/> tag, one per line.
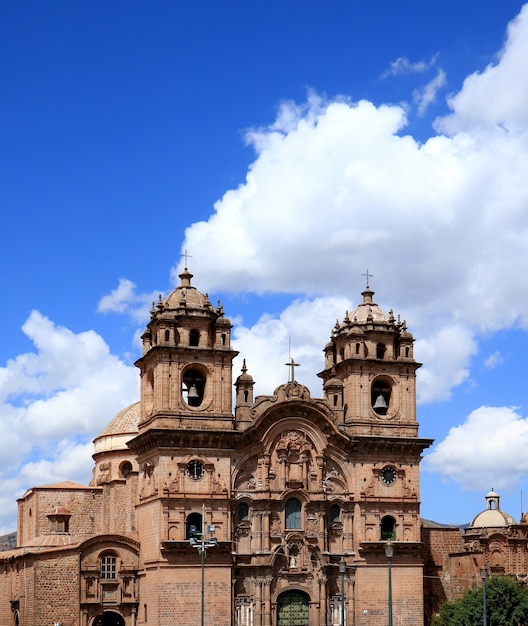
<point x="108" y="618"/>
<point x="293" y="609"/>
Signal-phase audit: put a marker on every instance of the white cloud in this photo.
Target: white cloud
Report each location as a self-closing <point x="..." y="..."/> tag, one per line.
<point x="402" y="66"/>
<point x="305" y="327"/>
<point x="489" y="448"/>
<point x="53" y="402"/>
<point x="425" y="96"/>
<point x="446" y="357"/>
<point x="493" y="360"/>
<point x="125" y="299"/>
<point x="497" y="96"/>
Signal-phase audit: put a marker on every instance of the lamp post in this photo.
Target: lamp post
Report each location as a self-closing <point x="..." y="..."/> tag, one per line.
<point x="342" y="570"/>
<point x="389" y="552"/>
<point x="201" y="544"/>
<point x="484" y="575"/>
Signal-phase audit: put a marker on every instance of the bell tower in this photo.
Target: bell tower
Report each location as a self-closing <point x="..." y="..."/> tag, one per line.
<point x="186" y="367"/>
<point x="370" y="372"/>
<point x="184" y="448"/>
<point x="370" y="385"/>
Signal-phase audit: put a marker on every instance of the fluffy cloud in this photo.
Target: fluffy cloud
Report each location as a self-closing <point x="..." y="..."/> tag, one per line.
<point x="125" y="299"/>
<point x="497" y="96"/>
<point x="301" y="331"/>
<point x="53" y="401"/>
<point x="338" y="186"/>
<point x="489" y="448"/>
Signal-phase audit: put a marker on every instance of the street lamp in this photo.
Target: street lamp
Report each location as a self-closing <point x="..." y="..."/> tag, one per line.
<point x="201" y="544"/>
<point x="484" y="575"/>
<point x="342" y="570"/>
<point x="389" y="552"/>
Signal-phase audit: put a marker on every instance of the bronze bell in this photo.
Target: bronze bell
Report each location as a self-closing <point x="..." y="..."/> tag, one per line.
<point x="380" y="403"/>
<point x="193" y="392"/>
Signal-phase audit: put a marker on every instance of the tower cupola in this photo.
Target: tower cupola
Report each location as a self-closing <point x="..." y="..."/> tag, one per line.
<point x="371" y="354"/>
<point x="186" y="367"/>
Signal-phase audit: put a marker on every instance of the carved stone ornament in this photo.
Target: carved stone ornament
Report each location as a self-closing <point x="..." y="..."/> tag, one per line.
<point x="293" y="443"/>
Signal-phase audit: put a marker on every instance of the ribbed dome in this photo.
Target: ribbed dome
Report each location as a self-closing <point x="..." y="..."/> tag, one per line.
<point x="126" y="421"/>
<point x="492" y="516"/>
<point x="187" y="296"/>
<point x="119" y="431"/>
<point x="368" y="311"/>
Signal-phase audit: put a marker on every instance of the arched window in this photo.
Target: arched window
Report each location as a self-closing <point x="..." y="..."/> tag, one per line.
<point x="243" y="512"/>
<point x="293" y="513"/>
<point x="167" y="335"/>
<point x="126" y="468"/>
<point x="193" y="387"/>
<point x="380" y="396"/>
<point x="194" y="337"/>
<point x="380" y="351"/>
<point x="388" y="528"/>
<point x="335" y="513"/>
<point x="193" y="526"/>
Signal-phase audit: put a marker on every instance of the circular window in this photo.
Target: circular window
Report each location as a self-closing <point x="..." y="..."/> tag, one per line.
<point x="195" y="470"/>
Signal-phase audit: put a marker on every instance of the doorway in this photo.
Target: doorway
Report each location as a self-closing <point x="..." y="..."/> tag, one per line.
<point x="108" y="618"/>
<point x="293" y="609"/>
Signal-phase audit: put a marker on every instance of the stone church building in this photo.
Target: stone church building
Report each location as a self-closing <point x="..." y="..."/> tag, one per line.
<point x="276" y="513"/>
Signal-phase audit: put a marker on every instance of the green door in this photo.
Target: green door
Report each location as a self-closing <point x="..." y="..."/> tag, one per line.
<point x="293" y="609"/>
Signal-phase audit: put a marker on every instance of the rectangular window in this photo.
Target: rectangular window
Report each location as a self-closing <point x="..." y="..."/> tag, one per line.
<point x="108" y="567"/>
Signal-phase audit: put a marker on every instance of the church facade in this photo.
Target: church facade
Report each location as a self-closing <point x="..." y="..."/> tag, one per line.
<point x="276" y="513"/>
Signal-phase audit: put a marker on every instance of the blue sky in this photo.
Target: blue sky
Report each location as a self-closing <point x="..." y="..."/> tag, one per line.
<point x="289" y="146"/>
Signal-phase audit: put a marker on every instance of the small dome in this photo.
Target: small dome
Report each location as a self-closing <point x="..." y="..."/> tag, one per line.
<point x="333" y="383"/>
<point x="244" y="377"/>
<point x="119" y="431"/>
<point x="187" y="296"/>
<point x="368" y="311"/>
<point x="492" y="516"/>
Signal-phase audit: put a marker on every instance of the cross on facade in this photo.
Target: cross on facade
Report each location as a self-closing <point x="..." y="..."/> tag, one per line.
<point x="291" y="364"/>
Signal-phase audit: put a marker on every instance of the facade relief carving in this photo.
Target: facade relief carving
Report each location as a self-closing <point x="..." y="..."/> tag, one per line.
<point x="149" y="487"/>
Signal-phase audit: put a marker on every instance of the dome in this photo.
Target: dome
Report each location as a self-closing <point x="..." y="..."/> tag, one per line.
<point x="244" y="377"/>
<point x="492" y="516"/>
<point x="187" y="296"/>
<point x="369" y="311"/>
<point x="119" y="431"/>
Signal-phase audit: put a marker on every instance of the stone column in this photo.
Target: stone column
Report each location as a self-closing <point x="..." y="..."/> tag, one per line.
<point x="322" y="601"/>
<point x="267" y="600"/>
<point x="258" y="601"/>
<point x="266" y="530"/>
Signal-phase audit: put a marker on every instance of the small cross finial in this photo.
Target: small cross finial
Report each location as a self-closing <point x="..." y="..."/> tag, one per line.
<point x="292" y="365"/>
<point x="368" y="276"/>
<point x="189" y="256"/>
